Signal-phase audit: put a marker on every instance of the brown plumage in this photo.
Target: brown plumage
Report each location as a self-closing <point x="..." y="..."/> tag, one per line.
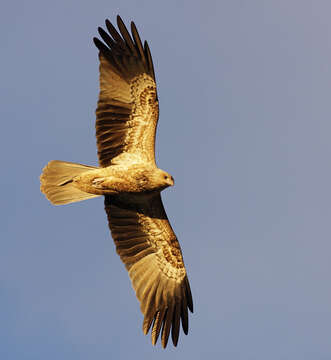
<point x="126" y="120"/>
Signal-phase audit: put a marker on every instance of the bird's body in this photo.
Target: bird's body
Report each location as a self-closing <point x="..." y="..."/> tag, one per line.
<point x="139" y="179"/>
<point x="131" y="182"/>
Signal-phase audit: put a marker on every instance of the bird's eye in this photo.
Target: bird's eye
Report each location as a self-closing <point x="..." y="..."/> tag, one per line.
<point x="166" y="177"/>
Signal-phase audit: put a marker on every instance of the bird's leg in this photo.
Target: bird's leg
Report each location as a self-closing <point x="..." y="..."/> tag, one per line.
<point x="108" y="182"/>
<point x="100" y="183"/>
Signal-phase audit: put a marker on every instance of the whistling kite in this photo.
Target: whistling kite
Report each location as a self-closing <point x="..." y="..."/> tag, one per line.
<point x="131" y="182"/>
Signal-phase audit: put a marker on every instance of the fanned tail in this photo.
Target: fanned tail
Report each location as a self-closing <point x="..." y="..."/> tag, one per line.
<point x="56" y="182"/>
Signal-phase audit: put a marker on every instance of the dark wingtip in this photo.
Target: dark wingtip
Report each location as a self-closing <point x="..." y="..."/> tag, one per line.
<point x="189" y="295"/>
<point x="190" y="306"/>
<point x="119" y="20"/>
<point x="164" y="343"/>
<point x="133" y="27"/>
<point x="99" y="44"/>
<point x="175" y="340"/>
<point x="96" y="42"/>
<point x="107" y="22"/>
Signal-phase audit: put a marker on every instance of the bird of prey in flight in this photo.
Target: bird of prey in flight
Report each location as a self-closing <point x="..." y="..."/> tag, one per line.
<point x="130" y="181"/>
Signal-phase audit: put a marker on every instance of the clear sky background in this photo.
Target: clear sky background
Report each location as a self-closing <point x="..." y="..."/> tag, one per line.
<point x="244" y="90"/>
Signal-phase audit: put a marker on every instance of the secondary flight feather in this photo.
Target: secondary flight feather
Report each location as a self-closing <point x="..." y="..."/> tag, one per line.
<point x="130" y="181"/>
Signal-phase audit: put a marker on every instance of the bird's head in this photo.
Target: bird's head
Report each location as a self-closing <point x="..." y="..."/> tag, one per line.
<point x="167" y="178"/>
<point x="164" y="179"/>
<point x="153" y="179"/>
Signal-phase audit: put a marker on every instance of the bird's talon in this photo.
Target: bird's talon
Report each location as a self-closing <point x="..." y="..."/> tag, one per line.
<point x="98" y="182"/>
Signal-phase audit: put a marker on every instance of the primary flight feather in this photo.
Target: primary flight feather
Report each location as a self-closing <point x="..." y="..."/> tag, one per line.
<point x="128" y="177"/>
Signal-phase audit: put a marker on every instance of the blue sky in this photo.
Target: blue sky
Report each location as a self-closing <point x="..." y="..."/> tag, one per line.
<point x="244" y="90"/>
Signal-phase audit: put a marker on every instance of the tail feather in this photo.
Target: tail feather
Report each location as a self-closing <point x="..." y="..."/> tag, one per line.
<point x="56" y="182"/>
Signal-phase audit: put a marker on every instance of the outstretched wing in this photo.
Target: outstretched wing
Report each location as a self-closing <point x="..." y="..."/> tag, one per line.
<point x="151" y="253"/>
<point x="127" y="111"/>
